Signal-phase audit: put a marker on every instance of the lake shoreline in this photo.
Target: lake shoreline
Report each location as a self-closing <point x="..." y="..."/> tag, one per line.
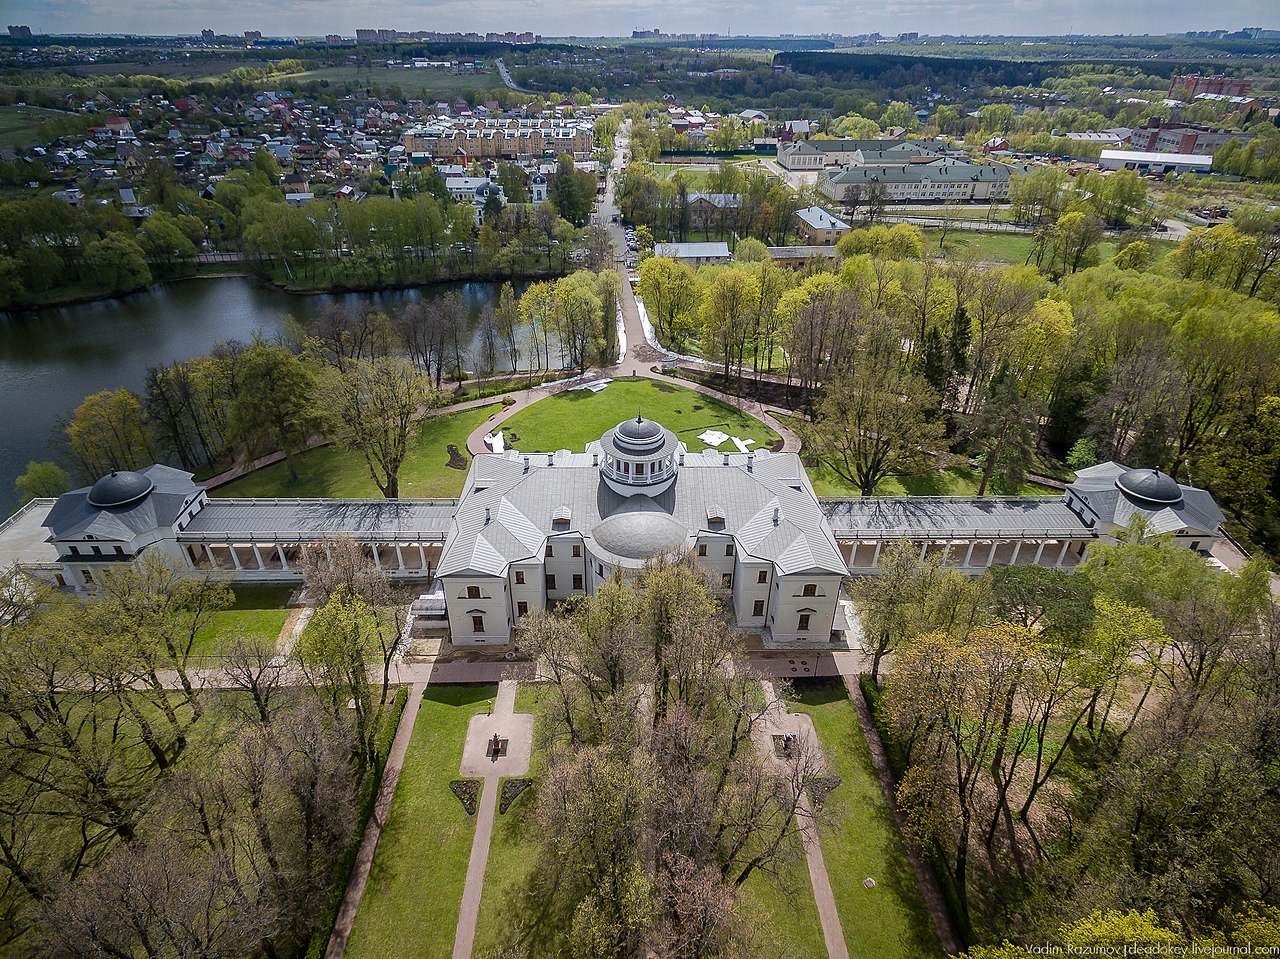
<point x="270" y="283"/>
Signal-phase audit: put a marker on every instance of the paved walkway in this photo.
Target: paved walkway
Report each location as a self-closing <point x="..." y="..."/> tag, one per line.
<point x="373" y="829"/>
<point x="778" y="722"/>
<point x="477" y="760"/>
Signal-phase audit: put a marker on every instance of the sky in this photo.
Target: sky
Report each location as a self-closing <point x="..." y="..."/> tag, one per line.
<point x="620" y="17"/>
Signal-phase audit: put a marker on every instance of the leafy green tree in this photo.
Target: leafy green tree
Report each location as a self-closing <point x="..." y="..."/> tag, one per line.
<point x="107" y="432"/>
<point x="275" y="405"/>
<point x="118" y="262"/>
<point x="42" y="479"/>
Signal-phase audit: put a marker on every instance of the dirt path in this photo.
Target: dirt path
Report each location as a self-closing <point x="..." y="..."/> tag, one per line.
<point x="778" y="721"/>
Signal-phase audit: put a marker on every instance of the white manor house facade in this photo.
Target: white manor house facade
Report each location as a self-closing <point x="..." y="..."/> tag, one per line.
<point x="532" y="529"/>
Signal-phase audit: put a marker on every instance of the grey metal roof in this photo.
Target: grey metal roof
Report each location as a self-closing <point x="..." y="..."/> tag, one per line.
<point x="1115" y="493"/>
<point x="953" y="517"/>
<point x="692" y="250"/>
<point x="521" y="503"/>
<point x="940" y="171"/>
<point x="302" y="520"/>
<point x="146" y="510"/>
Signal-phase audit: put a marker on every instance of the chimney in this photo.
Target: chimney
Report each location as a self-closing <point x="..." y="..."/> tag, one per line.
<point x="682" y="457"/>
<point x="551" y="459"/>
<point x="751" y="462"/>
<point x="526" y="464"/>
<point x="726" y="459"/>
<point x="595" y="459"/>
<point x="777" y="515"/>
<point x="487" y="517"/>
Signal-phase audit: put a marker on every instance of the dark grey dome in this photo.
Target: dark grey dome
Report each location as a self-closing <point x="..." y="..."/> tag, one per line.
<point x="637" y="534"/>
<point x="639" y="437"/>
<point x="119" y="488"/>
<point x="1151" y="486"/>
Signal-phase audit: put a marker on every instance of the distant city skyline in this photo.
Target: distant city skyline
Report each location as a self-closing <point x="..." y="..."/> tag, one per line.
<point x="619" y="17"/>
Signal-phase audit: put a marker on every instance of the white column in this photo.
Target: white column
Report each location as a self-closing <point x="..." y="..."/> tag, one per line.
<point x="1062" y="553"/>
<point x="258" y="556"/>
<point x="213" y="560"/>
<point x="968" y="556"/>
<point x="1039" y="552"/>
<point x="399" y="557"/>
<point x="377" y="561"/>
<point x="235" y="557"/>
<point x="875" y="557"/>
<point x="1017" y="547"/>
<point x="284" y="560"/>
<point x="924" y="550"/>
<point x="422" y="557"/>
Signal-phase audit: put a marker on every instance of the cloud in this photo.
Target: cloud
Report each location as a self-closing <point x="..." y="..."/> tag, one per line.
<point x="620" y="17"/>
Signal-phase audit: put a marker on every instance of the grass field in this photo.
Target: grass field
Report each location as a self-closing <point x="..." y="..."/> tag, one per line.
<point x="889" y="921"/>
<point x="329" y="471"/>
<point x="572" y="419"/>
<point x="411" y="903"/>
<point x="18" y="124"/>
<point x="258" y="613"/>
<point x="412" y="82"/>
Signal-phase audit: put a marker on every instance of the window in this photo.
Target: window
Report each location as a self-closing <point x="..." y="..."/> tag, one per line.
<point x="702" y="549"/>
<point x="810" y="589"/>
<point x="728" y="550"/>
<point x="522" y="609"/>
<point x="120" y="550"/>
<point x="577" y="581"/>
<point x="473" y="592"/>
<point x="762" y="576"/>
<point x="577" y="551"/>
<point x="549" y="551"/>
<point x="477" y="624"/>
<point x="599" y="569"/>
<point x="803" y="625"/>
<point x="551" y="581"/>
<point x="519" y="577"/>
<point x="757" y="608"/>
<point x="97" y="551"/>
<point x="726" y="580"/>
<point x="88" y="578"/>
<point x="75" y="550"/>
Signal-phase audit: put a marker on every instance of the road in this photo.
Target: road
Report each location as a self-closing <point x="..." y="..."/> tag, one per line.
<point x="505" y="74"/>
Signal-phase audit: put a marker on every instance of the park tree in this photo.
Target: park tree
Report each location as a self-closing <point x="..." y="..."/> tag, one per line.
<point x="877" y="419"/>
<point x="108" y="432"/>
<point x="1002" y="434"/>
<point x="728" y="307"/>
<point x="372" y="408"/>
<point x="579" y="322"/>
<point x="672" y="296"/>
<point x="275" y="405"/>
<point x="42" y="479"/>
<point x="118" y="262"/>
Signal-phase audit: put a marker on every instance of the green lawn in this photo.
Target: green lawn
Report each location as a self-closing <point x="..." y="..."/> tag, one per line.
<point x="412" y="82"/>
<point x="889" y="921"/>
<point x="329" y="471"/>
<point x="571" y="419"/>
<point x="18" y="124"/>
<point x="258" y="613"/>
<point x="411" y="903"/>
<point x="988" y="247"/>
<point x="782" y="904"/>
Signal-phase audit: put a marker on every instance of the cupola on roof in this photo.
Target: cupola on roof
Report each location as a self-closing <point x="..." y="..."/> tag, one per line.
<point x="1149" y="485"/>
<point x="119" y="488"/>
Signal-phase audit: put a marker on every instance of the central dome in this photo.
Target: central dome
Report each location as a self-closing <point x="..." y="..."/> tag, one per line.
<point x="639" y="457"/>
<point x="630" y="537"/>
<point x="119" y="488"/>
<point x="1151" y="486"/>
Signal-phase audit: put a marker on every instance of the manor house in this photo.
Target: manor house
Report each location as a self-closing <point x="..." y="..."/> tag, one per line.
<point x="532" y="529"/>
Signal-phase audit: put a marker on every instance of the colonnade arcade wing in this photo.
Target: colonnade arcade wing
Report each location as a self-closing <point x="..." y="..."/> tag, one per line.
<point x="531" y="529"/>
